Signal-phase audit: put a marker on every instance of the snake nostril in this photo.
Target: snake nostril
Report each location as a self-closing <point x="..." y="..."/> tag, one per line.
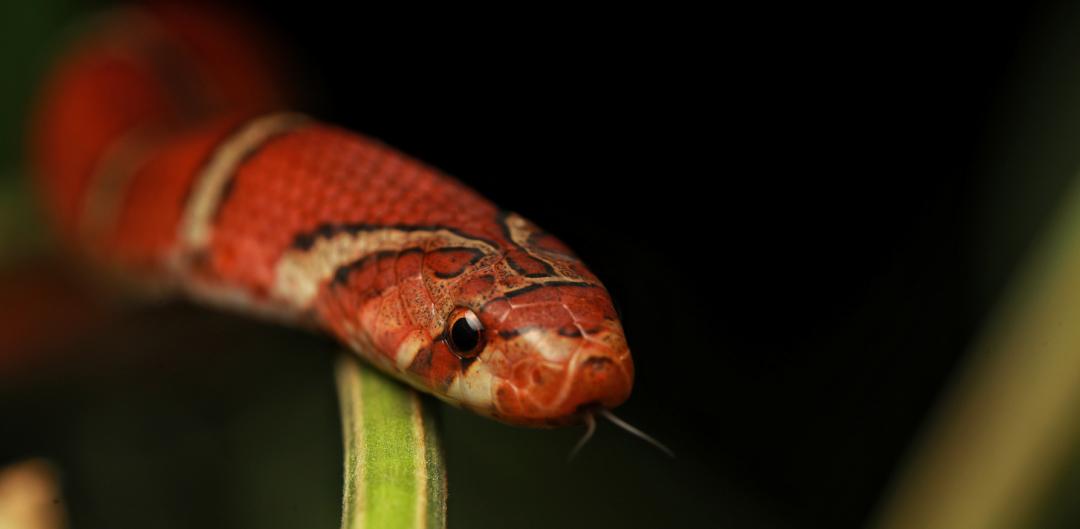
<point x="597" y="364"/>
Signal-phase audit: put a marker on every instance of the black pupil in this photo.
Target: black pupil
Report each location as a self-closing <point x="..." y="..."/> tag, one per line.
<point x="463" y="336"/>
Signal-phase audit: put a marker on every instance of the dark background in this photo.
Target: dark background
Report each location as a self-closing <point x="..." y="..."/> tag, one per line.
<point x="803" y="214"/>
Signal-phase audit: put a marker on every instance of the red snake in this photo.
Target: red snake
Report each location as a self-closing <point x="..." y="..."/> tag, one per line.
<point x="161" y="158"/>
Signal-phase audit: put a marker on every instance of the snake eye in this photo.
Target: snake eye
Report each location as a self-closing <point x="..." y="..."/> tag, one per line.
<point x="466" y="333"/>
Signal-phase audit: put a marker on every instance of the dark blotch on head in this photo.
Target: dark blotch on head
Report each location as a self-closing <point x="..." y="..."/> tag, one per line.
<point x="570" y="331"/>
<point x="527" y="265"/>
<point x="530" y="288"/>
<point x="597" y="363"/>
<point x="451" y="262"/>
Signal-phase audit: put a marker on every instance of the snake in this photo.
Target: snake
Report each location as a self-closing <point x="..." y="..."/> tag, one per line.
<point x="165" y="158"/>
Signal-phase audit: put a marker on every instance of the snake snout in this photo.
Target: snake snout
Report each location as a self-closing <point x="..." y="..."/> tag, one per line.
<point x="602" y="378"/>
<point x="597" y="365"/>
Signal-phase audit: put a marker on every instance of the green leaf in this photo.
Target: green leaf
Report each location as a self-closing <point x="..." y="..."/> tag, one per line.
<point x="394" y="471"/>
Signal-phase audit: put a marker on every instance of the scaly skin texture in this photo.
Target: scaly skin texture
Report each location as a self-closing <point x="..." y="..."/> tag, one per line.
<point x="194" y="186"/>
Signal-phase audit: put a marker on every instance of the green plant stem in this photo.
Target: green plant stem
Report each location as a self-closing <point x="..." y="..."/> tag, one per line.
<point x="394" y="472"/>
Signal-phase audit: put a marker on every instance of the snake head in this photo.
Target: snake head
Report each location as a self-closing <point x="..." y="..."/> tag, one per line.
<point x="554" y="350"/>
<point x="536" y="335"/>
<point x="508" y="323"/>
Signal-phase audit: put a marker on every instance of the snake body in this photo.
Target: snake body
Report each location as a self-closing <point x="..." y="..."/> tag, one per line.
<point x="161" y="156"/>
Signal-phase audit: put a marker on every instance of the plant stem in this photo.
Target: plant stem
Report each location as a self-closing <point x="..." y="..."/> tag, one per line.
<point x="394" y="471"/>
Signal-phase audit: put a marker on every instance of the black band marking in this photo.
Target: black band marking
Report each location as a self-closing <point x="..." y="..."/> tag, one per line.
<point x="501" y="217"/>
<point x="341" y="275"/>
<point x="530" y="288"/>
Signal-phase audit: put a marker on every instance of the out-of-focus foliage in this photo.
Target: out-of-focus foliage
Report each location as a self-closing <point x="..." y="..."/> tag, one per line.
<point x="1004" y="448"/>
<point x="20" y="226"/>
<point x="28" y="35"/>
